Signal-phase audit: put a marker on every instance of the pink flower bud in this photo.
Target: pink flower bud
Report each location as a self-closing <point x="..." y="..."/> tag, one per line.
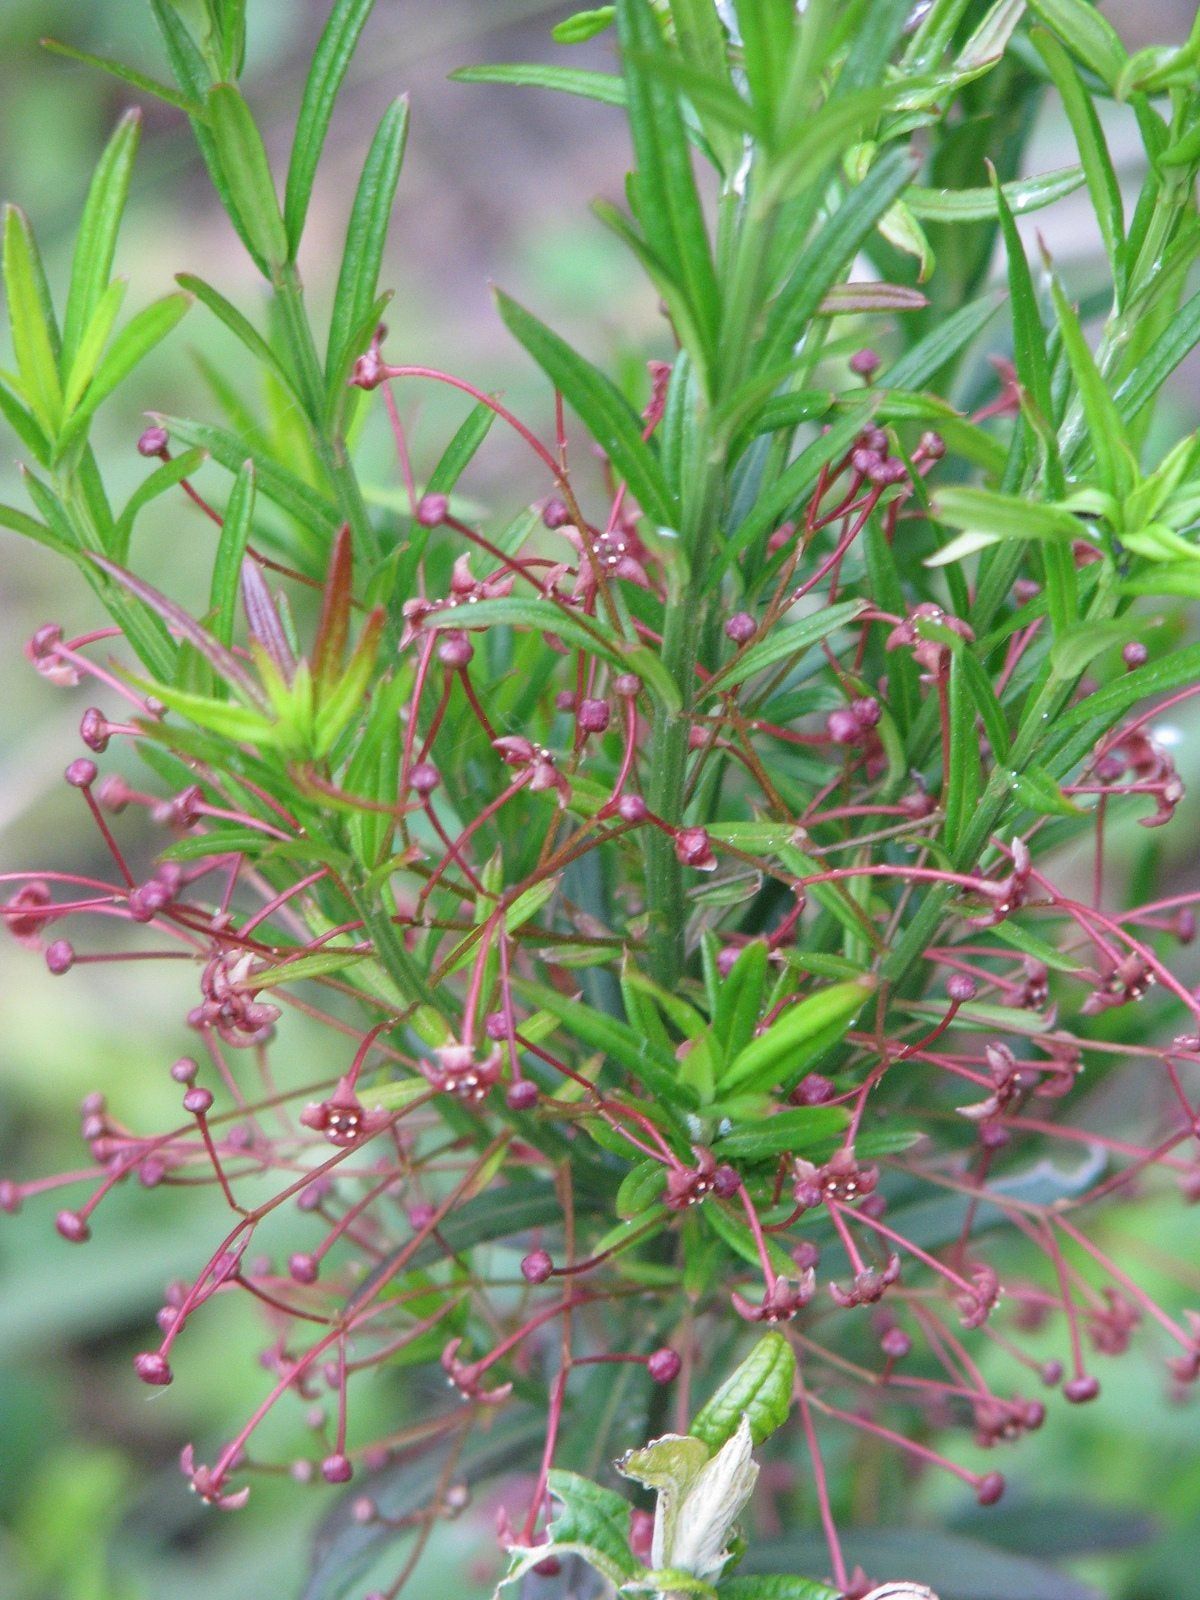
<point x="73" y="1227"/>
<point x="82" y="773"/>
<point x="664" y="1365"/>
<point x="741" y="627"/>
<point x="153" y="1368"/>
<point x="337" y="1468"/>
<point x="537" y="1266"/>
<point x="432" y="509"/>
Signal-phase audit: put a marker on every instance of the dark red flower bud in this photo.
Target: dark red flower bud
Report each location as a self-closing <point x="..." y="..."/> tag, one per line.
<point x="337" y="1468"/>
<point x="741" y="627"/>
<point x="522" y="1095"/>
<point x="664" y="1365"/>
<point x="153" y="1368"/>
<point x="592" y="716"/>
<point x="555" y="514"/>
<point x="990" y="1488"/>
<point x="94" y="730"/>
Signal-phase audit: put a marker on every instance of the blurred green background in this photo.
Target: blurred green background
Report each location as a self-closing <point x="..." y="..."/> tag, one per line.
<point x="495" y="187"/>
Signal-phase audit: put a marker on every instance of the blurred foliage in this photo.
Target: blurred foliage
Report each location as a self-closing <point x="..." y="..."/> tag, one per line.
<point x="91" y="1504"/>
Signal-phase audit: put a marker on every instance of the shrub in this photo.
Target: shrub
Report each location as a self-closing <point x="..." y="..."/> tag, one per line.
<point x="686" y="872"/>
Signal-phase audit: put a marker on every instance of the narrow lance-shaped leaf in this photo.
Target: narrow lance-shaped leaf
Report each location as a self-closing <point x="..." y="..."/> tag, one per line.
<point x="33" y="334"/>
<point x="266" y="625"/>
<point x="1115" y="463"/>
<point x="330" y="61"/>
<point x="1090" y="36"/>
<point x="246" y="171"/>
<point x="237" y="324"/>
<point x="131" y="346"/>
<point x="176" y="618"/>
<point x="669" y="207"/>
<point x="231" y="551"/>
<point x="334" y="627"/>
<point x="803" y="1031"/>
<point x="366" y="236"/>
<point x="614" y="424"/>
<point x="96" y="241"/>
<point x="605" y="87"/>
<point x="129" y="75"/>
<point x="1102" y="183"/>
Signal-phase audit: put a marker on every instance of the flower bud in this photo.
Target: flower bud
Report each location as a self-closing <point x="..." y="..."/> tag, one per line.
<point x="522" y="1095"/>
<point x="592" y="716"/>
<point x="73" y="1227"/>
<point x="989" y="1488"/>
<point x="424" y="778"/>
<point x="555" y="514"/>
<point x="865" y="363"/>
<point x="432" y="509"/>
<point x="631" y="808"/>
<point x="198" y="1101"/>
<point x="537" y="1266"/>
<point x="664" y="1365"/>
<point x="82" y="773"/>
<point x="337" y="1468"/>
<point x="741" y="627"/>
<point x="94" y="730"/>
<point x="153" y="442"/>
<point x="1082" y="1389"/>
<point x="60" y="956"/>
<point x="303" y="1267"/>
<point x="153" y="1368"/>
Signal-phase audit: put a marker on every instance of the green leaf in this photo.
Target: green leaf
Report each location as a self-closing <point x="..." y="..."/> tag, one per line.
<point x="91" y="347"/>
<point x="1091" y="38"/>
<point x="1102" y="182"/>
<point x="606" y="87"/>
<point x="668" y="203"/>
<point x="805" y="1030"/>
<point x="591" y="1523"/>
<point x="247" y="173"/>
<point x="785" y="640"/>
<point x="310" y="509"/>
<point x="829" y="255"/>
<point x="962" y="782"/>
<point x="329" y="63"/>
<point x="1003" y="516"/>
<point x="1034" y="787"/>
<point x="131" y="346"/>
<point x="937" y="348"/>
<point x="231" y="550"/>
<point x="96" y="241"/>
<point x="760" y="1390"/>
<point x="366" y="235"/>
<point x="795" y="1132"/>
<point x="318" y="965"/>
<point x="1115" y="464"/>
<point x="629" y="1049"/>
<point x="1177" y="340"/>
<point x="584" y="25"/>
<point x="979" y="205"/>
<point x="1029" y="944"/>
<point x="1105" y="705"/>
<point x="777" y="1586"/>
<point x="130" y="75"/>
<point x="614" y="424"/>
<point x="241" y="327"/>
<point x="460" y="452"/>
<point x="35" y="338"/>
<point x="164" y="477"/>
